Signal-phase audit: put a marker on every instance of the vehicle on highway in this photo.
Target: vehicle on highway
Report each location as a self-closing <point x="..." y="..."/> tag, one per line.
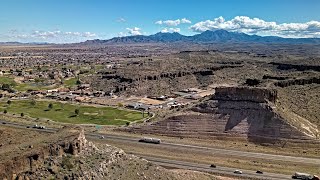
<point x="237" y="172"/>
<point x="304" y="176"/>
<point x="259" y="172"/>
<point x="4" y="123"/>
<point x="213" y="166"/>
<point x="150" y="140"/>
<point x="39" y="127"/>
<point x="101" y="137"/>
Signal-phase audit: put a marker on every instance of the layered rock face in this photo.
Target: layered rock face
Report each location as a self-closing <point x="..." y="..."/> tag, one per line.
<point x="241" y="111"/>
<point x="30" y="160"/>
<point x="68" y="155"/>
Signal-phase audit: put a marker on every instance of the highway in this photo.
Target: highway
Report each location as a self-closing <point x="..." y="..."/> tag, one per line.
<point x="198" y="149"/>
<point x="218" y="169"/>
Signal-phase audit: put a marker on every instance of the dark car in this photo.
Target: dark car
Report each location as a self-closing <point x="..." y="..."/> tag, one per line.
<point x="213" y="166"/>
<point x="259" y="172"/>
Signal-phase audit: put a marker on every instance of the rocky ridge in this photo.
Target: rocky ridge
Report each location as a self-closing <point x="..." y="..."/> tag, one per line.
<point x="68" y="155"/>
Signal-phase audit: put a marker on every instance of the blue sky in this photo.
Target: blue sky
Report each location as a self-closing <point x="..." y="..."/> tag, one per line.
<point x="78" y="20"/>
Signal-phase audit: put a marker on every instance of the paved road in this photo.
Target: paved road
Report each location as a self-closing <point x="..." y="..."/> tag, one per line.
<point x="195" y="166"/>
<point x="235" y="153"/>
<point x="218" y="169"/>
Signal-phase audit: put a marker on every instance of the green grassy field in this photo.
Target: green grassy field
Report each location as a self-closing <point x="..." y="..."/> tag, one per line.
<point x="61" y="112"/>
<point x="32" y="86"/>
<point x="7" y="80"/>
<point x="23" y="86"/>
<point x="70" y="82"/>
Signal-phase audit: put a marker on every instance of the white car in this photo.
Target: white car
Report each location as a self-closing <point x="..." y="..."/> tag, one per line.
<point x="237" y="172"/>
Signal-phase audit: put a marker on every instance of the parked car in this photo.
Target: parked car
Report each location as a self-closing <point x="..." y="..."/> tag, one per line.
<point x="237" y="172"/>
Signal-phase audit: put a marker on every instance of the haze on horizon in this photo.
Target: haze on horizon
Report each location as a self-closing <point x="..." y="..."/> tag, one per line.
<point x="79" y="20"/>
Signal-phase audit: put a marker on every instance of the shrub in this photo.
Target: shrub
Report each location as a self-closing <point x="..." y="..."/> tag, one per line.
<point x="50" y="106"/>
<point x="66" y="162"/>
<point x="77" y="111"/>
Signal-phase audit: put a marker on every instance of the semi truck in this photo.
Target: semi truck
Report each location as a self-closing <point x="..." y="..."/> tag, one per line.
<point x="150" y="140"/>
<point x="304" y="176"/>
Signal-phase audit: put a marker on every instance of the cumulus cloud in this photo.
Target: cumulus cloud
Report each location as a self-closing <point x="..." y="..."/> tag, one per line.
<point x="173" y="22"/>
<point x="260" y="27"/>
<point x="55" y="36"/>
<point x="170" y="30"/>
<point x="121" y="34"/>
<point x="134" y="31"/>
<point x="185" y="21"/>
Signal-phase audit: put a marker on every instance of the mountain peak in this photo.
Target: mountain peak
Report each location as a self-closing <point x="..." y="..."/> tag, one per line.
<point x="215" y="36"/>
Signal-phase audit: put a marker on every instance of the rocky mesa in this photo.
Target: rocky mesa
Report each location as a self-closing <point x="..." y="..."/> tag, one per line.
<point x="249" y="112"/>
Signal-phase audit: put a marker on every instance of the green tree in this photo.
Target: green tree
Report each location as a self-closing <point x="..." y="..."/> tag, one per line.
<point x="50" y="106"/>
<point x="22" y="114"/>
<point x="9" y="102"/>
<point x="5" y="87"/>
<point x="78" y="82"/>
<point x="5" y="111"/>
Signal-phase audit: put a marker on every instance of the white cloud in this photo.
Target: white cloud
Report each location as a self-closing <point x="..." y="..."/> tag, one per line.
<point x="260" y="27"/>
<point x="159" y="22"/>
<point x="134" y="31"/>
<point x="173" y="22"/>
<point x="121" y="34"/>
<point x="121" y="20"/>
<point x="185" y="21"/>
<point x="89" y="34"/>
<point x="170" y="30"/>
<point x="56" y="36"/>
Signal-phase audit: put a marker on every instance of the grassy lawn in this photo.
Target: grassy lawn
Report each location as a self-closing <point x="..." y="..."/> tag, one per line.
<point x="23" y="86"/>
<point x="7" y="80"/>
<point x="70" y="82"/>
<point x="30" y="86"/>
<point x="61" y="112"/>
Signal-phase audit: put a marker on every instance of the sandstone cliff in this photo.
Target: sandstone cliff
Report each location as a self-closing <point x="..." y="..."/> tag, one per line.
<point x="241" y="111"/>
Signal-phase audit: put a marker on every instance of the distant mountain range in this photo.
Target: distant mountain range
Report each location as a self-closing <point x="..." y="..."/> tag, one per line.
<point x="217" y="36"/>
